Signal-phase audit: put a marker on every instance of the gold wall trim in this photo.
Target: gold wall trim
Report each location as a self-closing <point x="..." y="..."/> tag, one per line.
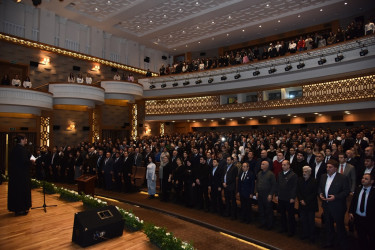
<point x="44" y="132"/>
<point x="331" y="92"/>
<point x="65" y="52"/>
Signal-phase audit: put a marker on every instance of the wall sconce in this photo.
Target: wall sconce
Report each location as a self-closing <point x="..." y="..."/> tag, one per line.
<point x="96" y="68"/>
<point x="71" y="127"/>
<point x="45" y="61"/>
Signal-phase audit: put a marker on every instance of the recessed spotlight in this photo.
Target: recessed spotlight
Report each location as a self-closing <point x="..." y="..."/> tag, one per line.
<point x="170" y="36"/>
<point x="243" y="117"/>
<point x="250" y="118"/>
<point x="186" y="45"/>
<point x="174" y="49"/>
<point x="197" y="3"/>
<point x="320" y="114"/>
<point x="243" y="30"/>
<point x="197" y="27"/>
<point x="96" y="9"/>
<point x="299" y="15"/>
<point x="345" y="3"/>
<point x="150" y="21"/>
<point x="278" y="21"/>
<point x="204" y="119"/>
<point x="138" y="26"/>
<point x="272" y="117"/>
<point x="109" y="2"/>
<point x="264" y="116"/>
<point x="173" y="121"/>
<point x="222" y="118"/>
<point x="229" y="17"/>
<point x="183" y="32"/>
<point x="231" y="119"/>
<point x="316" y="113"/>
<point x="199" y="42"/>
<point x="213" y="38"/>
<point x="188" y="120"/>
<point x="193" y="121"/>
<point x="260" y="26"/>
<point x="289" y="114"/>
<point x="321" y="10"/>
<point x="165" y="16"/>
<point x="294" y="116"/>
<point x="268" y="5"/>
<point x="179" y="10"/>
<point x="227" y="34"/>
<point x="213" y="22"/>
<point x="212" y="120"/>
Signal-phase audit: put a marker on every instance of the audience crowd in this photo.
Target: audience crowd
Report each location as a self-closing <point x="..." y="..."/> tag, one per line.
<point x="245" y="55"/>
<point x="216" y="172"/>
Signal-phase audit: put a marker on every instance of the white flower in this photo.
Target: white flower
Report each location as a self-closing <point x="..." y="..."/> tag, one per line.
<point x="167" y="234"/>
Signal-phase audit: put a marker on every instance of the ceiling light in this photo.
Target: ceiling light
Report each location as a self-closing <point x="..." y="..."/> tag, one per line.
<point x="316" y="113"/>
<point x="272" y="117"/>
<point x="268" y="5"/>
<point x="264" y="116"/>
<point x="260" y="26"/>
<point x="288" y="114"/>
<point x="229" y="17"/>
<point x="210" y="80"/>
<point x="345" y="3"/>
<point x="186" y="45"/>
<point x="243" y="117"/>
<point x="175" y="84"/>
<point x="163" y="85"/>
<point x="288" y="66"/>
<point x="227" y="34"/>
<point x="250" y="118"/>
<point x="193" y="121"/>
<point x="179" y="10"/>
<point x="212" y="120"/>
<point x="243" y="30"/>
<point x="150" y="21"/>
<point x="197" y="27"/>
<point x="109" y="2"/>
<point x="231" y="119"/>
<point x="363" y="52"/>
<point x="138" y="26"/>
<point x="96" y="9"/>
<point x="272" y="70"/>
<point x="278" y="21"/>
<point x="223" y="78"/>
<point x="222" y="118"/>
<point x="213" y="38"/>
<point x="213" y="22"/>
<point x="294" y="116"/>
<point x="339" y="57"/>
<point x="170" y="36"/>
<point x="299" y="16"/>
<point x="188" y="120"/>
<point x="183" y="32"/>
<point x="173" y="121"/>
<point x="301" y="64"/>
<point x="321" y="10"/>
<point x="165" y="16"/>
<point x="320" y="114"/>
<point x="322" y="60"/>
<point x="199" y="42"/>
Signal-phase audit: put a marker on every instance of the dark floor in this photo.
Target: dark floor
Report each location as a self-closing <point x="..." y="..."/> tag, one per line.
<point x="182" y="221"/>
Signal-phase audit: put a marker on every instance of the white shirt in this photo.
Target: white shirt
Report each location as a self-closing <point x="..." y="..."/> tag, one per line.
<point x="317" y="166"/>
<point x="16" y="82"/>
<point x="291" y="158"/>
<point x="71" y="79"/>
<point x="27" y="84"/>
<point x="329" y="182"/>
<point x="88" y="80"/>
<point x="368" y="170"/>
<point x="117" y="77"/>
<point x="79" y="80"/>
<point x="358" y="210"/>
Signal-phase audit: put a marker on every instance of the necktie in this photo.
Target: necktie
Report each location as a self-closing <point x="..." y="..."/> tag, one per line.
<point x="243" y="176"/>
<point x="341" y="168"/>
<point x="363" y="199"/>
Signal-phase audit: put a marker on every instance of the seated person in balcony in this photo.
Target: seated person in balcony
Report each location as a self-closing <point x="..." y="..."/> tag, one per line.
<point x="292" y="47"/>
<point x="340" y="35"/>
<point x="309" y="43"/>
<point x="117" y="77"/>
<point x="256" y="53"/>
<point x="369" y="28"/>
<point x="27" y="83"/>
<point x="245" y="58"/>
<point x="88" y="79"/>
<point x="148" y="73"/>
<point x="322" y="42"/>
<point x="272" y="51"/>
<point x="168" y="69"/>
<point x="331" y="39"/>
<point x="16" y="81"/>
<point x="278" y="46"/>
<point x="201" y="65"/>
<point x="131" y="78"/>
<point x="79" y="78"/>
<point x="162" y="70"/>
<point x="301" y="44"/>
<point x="71" y="78"/>
<point x="265" y="54"/>
<point x="238" y="58"/>
<point x="5" y="80"/>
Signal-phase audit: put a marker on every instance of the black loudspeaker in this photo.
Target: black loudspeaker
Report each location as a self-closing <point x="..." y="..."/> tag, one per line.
<point x="114" y="69"/>
<point x="76" y="68"/>
<point x="147" y="59"/>
<point x="56" y="127"/>
<point x="167" y="123"/>
<point x="34" y="64"/>
<point x="140" y="125"/>
<point x="94" y="226"/>
<point x="86" y="128"/>
<point x="164" y="57"/>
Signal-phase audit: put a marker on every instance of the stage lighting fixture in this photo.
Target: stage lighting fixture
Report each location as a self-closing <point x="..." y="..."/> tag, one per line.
<point x="256" y="72"/>
<point x="186" y="83"/>
<point x="152" y="86"/>
<point x="288" y="67"/>
<point x="272" y="70"/>
<point x="199" y="81"/>
<point x="237" y="76"/>
<point x="163" y="85"/>
<point x="175" y="84"/>
<point x="364" y="51"/>
<point x="322" y="60"/>
<point x="210" y="80"/>
<point x="223" y="78"/>
<point x="301" y="65"/>
<point x="339" y="57"/>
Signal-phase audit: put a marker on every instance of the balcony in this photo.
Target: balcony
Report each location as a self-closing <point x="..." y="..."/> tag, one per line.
<point x="224" y="79"/>
<point x="122" y="90"/>
<point x="26" y="101"/>
<point x="76" y="94"/>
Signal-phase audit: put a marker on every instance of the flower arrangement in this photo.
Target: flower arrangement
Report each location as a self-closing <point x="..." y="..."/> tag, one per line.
<point x="69" y="195"/>
<point x="132" y="222"/>
<point x="165" y="240"/>
<point x="157" y="235"/>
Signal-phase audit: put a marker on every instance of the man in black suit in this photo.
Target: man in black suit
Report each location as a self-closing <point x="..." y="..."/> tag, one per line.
<point x="310" y="157"/>
<point x="333" y="190"/>
<point x="286" y="193"/>
<point x="127" y="171"/>
<point x="362" y="143"/>
<point x="308" y="203"/>
<point x="201" y="184"/>
<point x="214" y="186"/>
<point x="318" y="167"/>
<point x="107" y="171"/>
<point x="246" y="185"/>
<point x="367" y="167"/>
<point x="229" y="180"/>
<point x="362" y="211"/>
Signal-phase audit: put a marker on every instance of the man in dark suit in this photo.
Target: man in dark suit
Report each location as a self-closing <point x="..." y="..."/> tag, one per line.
<point x="229" y="180"/>
<point x="362" y="143"/>
<point x="333" y="190"/>
<point x="367" y="167"/>
<point x="308" y="203"/>
<point x="214" y="186"/>
<point x="127" y="171"/>
<point x="246" y="185"/>
<point x="362" y="211"/>
<point x="201" y="184"/>
<point x="347" y="170"/>
<point x="117" y="171"/>
<point x="310" y="157"/>
<point x="318" y="167"/>
<point x="209" y="159"/>
<point x="286" y="193"/>
<point x="346" y="142"/>
<point x="107" y="171"/>
<point x="137" y="158"/>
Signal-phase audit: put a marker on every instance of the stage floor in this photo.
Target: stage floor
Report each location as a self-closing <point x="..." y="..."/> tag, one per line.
<point x="53" y="230"/>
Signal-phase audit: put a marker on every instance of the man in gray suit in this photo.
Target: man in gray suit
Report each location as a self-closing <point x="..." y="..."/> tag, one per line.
<point x="348" y="170"/>
<point x="333" y="190"/>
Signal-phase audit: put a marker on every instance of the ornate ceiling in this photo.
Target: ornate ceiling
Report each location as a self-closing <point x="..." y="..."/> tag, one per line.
<point x="177" y="26"/>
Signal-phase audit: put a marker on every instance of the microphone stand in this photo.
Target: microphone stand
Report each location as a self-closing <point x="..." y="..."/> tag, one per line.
<point x="44" y="197"/>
